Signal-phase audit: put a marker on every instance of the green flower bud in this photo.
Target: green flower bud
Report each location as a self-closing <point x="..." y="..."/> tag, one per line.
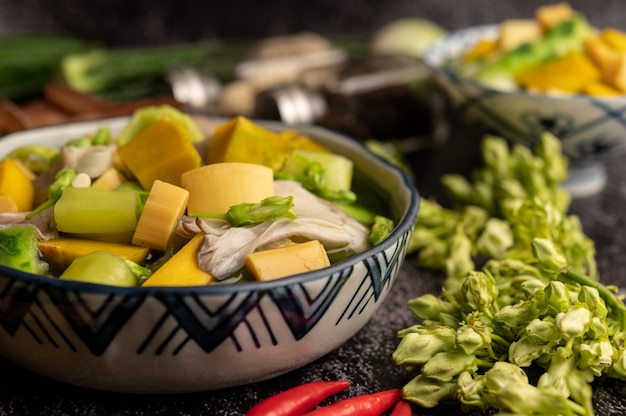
<point x="573" y="323"/>
<point x="420" y="345"/>
<point x="591" y="297"/>
<point x="524" y="351"/>
<point x="503" y="374"/>
<point x="495" y="239"/>
<point x="542" y="331"/>
<point x="508" y="388"/>
<point x="557" y="297"/>
<point x="598" y="329"/>
<point x="470" y="391"/>
<point x="472" y="338"/>
<point x="618" y="369"/>
<point x="473" y="220"/>
<point x="434" y="255"/>
<point x="512" y="189"/>
<point x="580" y="390"/>
<point x="552" y="261"/>
<point x="562" y="363"/>
<point x="451" y="321"/>
<point x="597" y="356"/>
<point x="427" y="392"/>
<point x="446" y="365"/>
<point x="459" y="261"/>
<point x="479" y="290"/>
<point x="430" y="307"/>
<point x="518" y="314"/>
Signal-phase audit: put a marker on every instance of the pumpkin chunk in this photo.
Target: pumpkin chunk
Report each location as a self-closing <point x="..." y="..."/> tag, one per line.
<point x="162" y="151"/>
<point x="568" y="74"/>
<point x="16" y="185"/>
<point x="182" y="269"/>
<point x="286" y="261"/>
<point x="241" y="140"/>
<point x="60" y="252"/>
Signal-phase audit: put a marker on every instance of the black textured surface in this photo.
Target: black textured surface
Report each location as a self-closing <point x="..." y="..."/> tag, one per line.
<point x="365" y="359"/>
<point x="122" y="22"/>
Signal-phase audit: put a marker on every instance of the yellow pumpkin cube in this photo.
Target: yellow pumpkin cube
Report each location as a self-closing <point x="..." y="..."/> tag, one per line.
<point x="110" y="180"/>
<point x="60" y="252"/>
<point x="16" y="185"/>
<point x="568" y="74"/>
<point x="553" y="14"/>
<point x="241" y="140"/>
<point x="615" y="38"/>
<point x="286" y="261"/>
<point x="182" y="269"/>
<point x="600" y="89"/>
<point x="163" y="151"/>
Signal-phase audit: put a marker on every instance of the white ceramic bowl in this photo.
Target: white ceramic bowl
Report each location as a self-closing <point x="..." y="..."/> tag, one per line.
<point x="591" y="130"/>
<point x="166" y="340"/>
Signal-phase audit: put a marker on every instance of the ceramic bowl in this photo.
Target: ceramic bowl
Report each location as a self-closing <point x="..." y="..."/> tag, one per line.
<point x="184" y="339"/>
<point x="592" y="130"/>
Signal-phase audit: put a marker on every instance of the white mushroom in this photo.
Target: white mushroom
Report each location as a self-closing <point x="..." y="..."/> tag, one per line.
<point x="225" y="248"/>
<point x="92" y="160"/>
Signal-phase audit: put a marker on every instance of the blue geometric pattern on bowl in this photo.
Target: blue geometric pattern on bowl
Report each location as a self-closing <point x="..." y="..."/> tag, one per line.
<point x="590" y="129"/>
<point x="97" y="323"/>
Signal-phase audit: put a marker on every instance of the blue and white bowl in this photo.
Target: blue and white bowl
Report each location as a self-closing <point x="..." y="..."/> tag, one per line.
<point x="592" y="130"/>
<point x="184" y="339"/>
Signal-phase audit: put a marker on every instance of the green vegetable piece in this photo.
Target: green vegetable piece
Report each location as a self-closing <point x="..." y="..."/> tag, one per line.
<point x="84" y="141"/>
<point x="140" y="272"/>
<point x="328" y="175"/>
<point x="100" y="267"/>
<point x="145" y="116"/>
<point x="63" y="180"/>
<point x="29" y="62"/>
<point x="102" y="136"/>
<point x="363" y="215"/>
<point x="380" y="230"/>
<point x="90" y="210"/>
<point x="37" y="158"/>
<point x="390" y="151"/>
<point x="18" y="249"/>
<point x="269" y="209"/>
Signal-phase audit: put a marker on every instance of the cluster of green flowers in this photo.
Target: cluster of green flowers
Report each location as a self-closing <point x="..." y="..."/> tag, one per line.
<point x="535" y="301"/>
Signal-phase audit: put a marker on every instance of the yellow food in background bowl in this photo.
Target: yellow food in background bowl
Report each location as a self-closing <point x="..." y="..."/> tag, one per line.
<point x="551" y="79"/>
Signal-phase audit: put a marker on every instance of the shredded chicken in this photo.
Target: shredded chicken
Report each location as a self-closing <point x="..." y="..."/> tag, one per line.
<point x="225" y="248"/>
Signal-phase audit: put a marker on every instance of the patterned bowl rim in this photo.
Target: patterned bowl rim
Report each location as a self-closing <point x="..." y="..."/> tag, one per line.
<point x="441" y="49"/>
<point x="405" y="225"/>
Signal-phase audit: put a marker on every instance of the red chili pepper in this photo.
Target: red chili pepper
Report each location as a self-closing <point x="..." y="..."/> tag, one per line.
<point x="374" y="404"/>
<point x="297" y="400"/>
<point x="402" y="408"/>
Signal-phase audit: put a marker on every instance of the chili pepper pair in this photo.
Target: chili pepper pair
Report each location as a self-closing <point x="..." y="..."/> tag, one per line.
<point x="299" y="400"/>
